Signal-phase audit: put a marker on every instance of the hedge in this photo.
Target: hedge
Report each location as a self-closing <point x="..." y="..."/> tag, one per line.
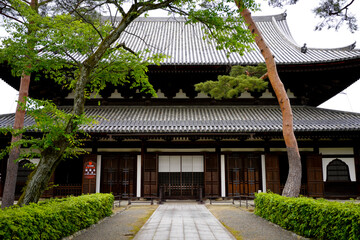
<point x="318" y="219"/>
<point x="56" y="218"/>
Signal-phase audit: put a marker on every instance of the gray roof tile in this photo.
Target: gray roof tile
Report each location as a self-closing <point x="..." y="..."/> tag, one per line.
<point x="185" y="45"/>
<point x="209" y="119"/>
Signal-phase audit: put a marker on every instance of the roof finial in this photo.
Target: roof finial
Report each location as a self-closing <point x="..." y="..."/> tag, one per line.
<point x="304" y="48"/>
<point x="285" y="14"/>
<point x="352" y="46"/>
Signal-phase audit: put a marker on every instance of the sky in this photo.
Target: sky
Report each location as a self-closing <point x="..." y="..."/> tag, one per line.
<point x="301" y="22"/>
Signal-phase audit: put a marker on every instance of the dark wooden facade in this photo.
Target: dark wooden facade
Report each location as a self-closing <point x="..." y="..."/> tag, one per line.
<point x="233" y="162"/>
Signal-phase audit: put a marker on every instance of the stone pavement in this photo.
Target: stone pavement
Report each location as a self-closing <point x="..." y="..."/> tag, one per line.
<point x="250" y="226"/>
<point x="120" y="226"/>
<point x="186" y="221"/>
<point x="181" y="220"/>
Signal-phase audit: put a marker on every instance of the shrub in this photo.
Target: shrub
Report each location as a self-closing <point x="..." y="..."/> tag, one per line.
<point x="319" y="219"/>
<point x="54" y="219"/>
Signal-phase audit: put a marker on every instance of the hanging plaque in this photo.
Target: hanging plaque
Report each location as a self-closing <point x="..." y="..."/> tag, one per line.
<point x="90" y="170"/>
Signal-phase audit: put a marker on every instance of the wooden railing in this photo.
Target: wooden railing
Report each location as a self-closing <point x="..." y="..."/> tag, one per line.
<point x="64" y="190"/>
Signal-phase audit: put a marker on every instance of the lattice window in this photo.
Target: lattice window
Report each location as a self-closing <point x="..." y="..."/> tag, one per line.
<point x="338" y="171"/>
<point x="23" y="171"/>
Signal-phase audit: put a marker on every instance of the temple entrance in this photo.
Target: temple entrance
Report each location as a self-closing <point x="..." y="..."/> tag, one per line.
<point x="181" y="176"/>
<point x="243" y="174"/>
<point x="118" y="175"/>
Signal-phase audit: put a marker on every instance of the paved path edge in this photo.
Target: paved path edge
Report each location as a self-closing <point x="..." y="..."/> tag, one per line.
<point x="95" y="224"/>
<point x="141" y="229"/>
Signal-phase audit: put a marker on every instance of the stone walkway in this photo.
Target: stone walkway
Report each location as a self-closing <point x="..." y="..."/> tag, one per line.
<point x="250" y="226"/>
<point x="186" y="221"/>
<point x="121" y="226"/>
<point x="183" y="221"/>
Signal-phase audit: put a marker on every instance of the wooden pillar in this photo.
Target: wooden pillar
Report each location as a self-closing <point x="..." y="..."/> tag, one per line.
<point x="316" y="146"/>
<point x="143" y="152"/>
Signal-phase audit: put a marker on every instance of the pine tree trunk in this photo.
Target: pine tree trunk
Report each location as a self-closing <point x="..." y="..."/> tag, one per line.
<point x="293" y="182"/>
<point x="12" y="166"/>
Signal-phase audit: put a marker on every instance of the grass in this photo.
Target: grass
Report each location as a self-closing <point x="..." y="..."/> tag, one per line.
<point x="117" y="209"/>
<point x="235" y="233"/>
<point x="141" y="221"/>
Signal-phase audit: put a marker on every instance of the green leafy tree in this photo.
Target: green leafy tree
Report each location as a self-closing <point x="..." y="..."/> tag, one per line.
<point x="241" y="79"/>
<point x="100" y="61"/>
<point x="333" y="13"/>
<point x="30" y="23"/>
<point x="22" y="15"/>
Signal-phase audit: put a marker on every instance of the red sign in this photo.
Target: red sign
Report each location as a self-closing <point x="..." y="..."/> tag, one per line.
<point x="90" y="170"/>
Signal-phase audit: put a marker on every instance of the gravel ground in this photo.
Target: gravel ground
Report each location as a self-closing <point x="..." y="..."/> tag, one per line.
<point x="120" y="226"/>
<point x="249" y="225"/>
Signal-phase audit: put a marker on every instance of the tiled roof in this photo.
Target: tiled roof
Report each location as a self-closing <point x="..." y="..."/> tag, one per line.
<point x="210" y="119"/>
<point x="185" y="45"/>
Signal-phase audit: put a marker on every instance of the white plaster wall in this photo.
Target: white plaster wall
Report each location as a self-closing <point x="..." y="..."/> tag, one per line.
<point x="242" y="149"/>
<point x="267" y="94"/>
<point x="35" y="161"/>
<point x="160" y="94"/>
<point x="181" y="150"/>
<point x="339" y="151"/>
<point x="246" y="95"/>
<point x="263" y="171"/>
<point x="284" y="149"/>
<point x="119" y="149"/>
<point x="180" y="94"/>
<point x="222" y="171"/>
<point x="349" y="161"/>
<point x="116" y="94"/>
<point x="98" y="172"/>
<point x="138" y="176"/>
<point x="202" y="95"/>
<point x="290" y="94"/>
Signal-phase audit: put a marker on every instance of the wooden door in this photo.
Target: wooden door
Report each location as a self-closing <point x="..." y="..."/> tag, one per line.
<point x="272" y="173"/>
<point x="315" y="184"/>
<point x="119" y="174"/>
<point x="243" y="173"/>
<point x="150" y="175"/>
<point x="212" y="176"/>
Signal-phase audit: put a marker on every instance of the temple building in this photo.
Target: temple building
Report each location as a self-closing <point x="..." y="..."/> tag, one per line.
<point x="183" y="141"/>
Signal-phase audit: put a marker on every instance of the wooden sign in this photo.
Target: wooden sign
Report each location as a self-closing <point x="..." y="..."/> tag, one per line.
<point x="90" y="170"/>
<point x="89" y="174"/>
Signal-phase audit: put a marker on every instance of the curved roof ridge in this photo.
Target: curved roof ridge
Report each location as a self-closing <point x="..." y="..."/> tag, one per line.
<point x="161" y="19"/>
<point x="288" y="38"/>
<point x="268" y="18"/>
<point x="350" y="47"/>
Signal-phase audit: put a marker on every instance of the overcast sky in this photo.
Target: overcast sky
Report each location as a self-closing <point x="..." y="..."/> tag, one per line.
<point x="301" y="22"/>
